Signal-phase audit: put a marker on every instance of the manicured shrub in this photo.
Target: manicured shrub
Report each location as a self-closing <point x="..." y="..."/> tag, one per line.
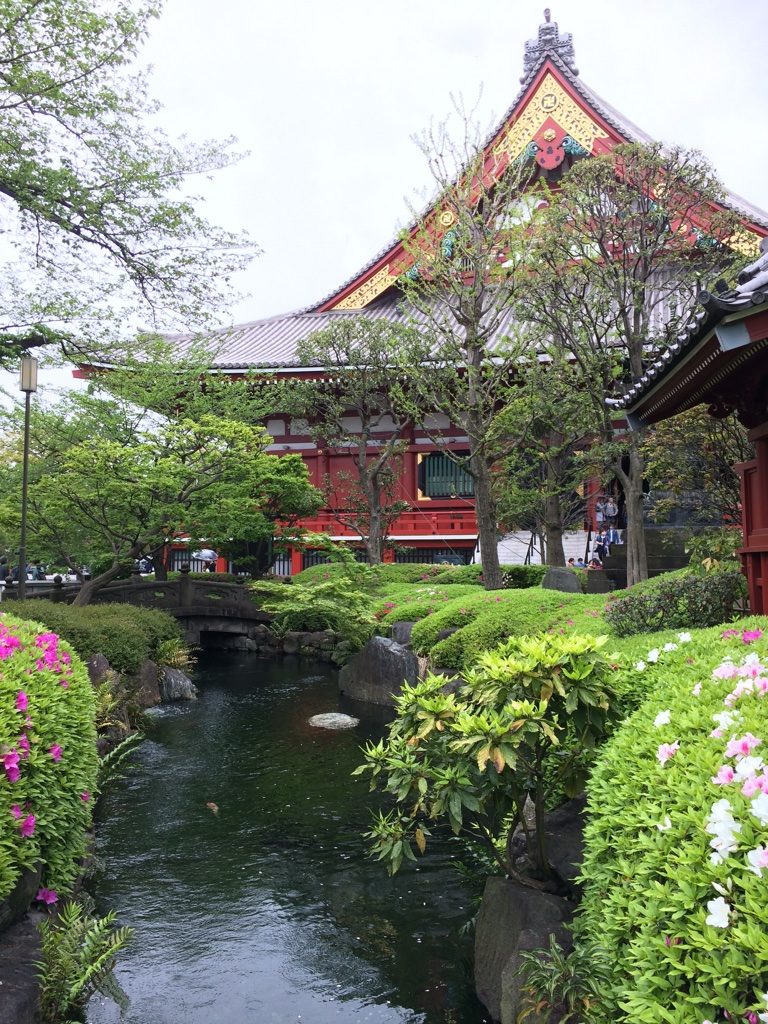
<point x="124" y="634"/>
<point x="48" y="760"/>
<point x="521" y="577"/>
<point x="411" y="604"/>
<point x="676" y="861"/>
<point x="492" y="617"/>
<point x="681" y="600"/>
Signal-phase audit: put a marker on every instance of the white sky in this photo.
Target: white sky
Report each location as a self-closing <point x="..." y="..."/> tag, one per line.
<point x="327" y="96"/>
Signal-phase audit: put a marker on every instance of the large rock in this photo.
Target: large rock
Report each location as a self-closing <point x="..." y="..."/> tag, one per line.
<point x="564" y="834"/>
<point x="512" y="919"/>
<point x="333" y="720"/>
<point x="377" y="672"/>
<point x="561" y="579"/>
<point x="401" y="632"/>
<point x="174" y="685"/>
<point x="98" y="668"/>
<point x="148" y="685"/>
<point x="19" y="955"/>
<point x="18" y="900"/>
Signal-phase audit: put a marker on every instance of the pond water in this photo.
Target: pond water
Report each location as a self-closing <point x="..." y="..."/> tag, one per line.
<point x="268" y="910"/>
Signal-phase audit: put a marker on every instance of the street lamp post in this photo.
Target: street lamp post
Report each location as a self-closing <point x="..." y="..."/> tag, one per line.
<point x="28" y="384"/>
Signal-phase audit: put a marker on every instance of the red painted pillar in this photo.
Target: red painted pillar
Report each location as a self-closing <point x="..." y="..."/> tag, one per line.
<point x="295" y="561"/>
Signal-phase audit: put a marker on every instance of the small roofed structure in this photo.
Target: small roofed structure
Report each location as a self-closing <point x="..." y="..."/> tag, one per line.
<point x="722" y="360"/>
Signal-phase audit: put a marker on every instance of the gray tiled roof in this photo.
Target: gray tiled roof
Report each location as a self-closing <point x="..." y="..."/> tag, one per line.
<point x="752" y="291"/>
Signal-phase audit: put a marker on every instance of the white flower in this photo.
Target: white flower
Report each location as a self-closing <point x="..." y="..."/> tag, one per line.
<point x="662" y="718"/>
<point x="640" y="666"/>
<point x="665" y="825"/>
<point x="670" y="647"/>
<point x="718" y="914"/>
<point x="758" y="859"/>
<point x="726" y="718"/>
<point x="653" y="656"/>
<point x="696" y="690"/>
<point x="747" y="767"/>
<point x="760" y="808"/>
<point x="684" y="638"/>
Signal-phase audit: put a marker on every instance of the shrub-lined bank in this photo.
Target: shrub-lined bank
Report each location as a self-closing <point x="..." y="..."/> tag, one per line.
<point x="48" y="761"/>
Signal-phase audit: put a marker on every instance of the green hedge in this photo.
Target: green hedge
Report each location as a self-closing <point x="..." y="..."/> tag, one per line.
<point x="486" y="618"/>
<point x="680" y="600"/>
<point x="48" y="762"/>
<point x="517" y="614"/>
<point x="410" y="604"/>
<point x="124" y="634"/>
<point x="686" y="935"/>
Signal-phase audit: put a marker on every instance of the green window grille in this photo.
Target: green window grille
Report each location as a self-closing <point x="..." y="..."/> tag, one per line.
<point x="440" y="477"/>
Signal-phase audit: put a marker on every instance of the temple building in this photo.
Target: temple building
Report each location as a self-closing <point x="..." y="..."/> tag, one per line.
<point x="554" y="120"/>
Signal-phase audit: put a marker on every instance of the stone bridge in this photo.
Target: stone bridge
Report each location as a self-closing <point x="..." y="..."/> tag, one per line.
<point x="201" y="607"/>
<point x="207" y="610"/>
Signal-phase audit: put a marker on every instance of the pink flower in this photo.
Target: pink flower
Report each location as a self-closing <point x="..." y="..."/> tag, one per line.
<point x="23" y="745"/>
<point x="16" y="811"/>
<point x="27" y="827"/>
<point x="750" y="635"/>
<point x="724" y="776"/>
<point x="21" y="701"/>
<point x="742" y="746"/>
<point x="55" y="752"/>
<point x="666" y="751"/>
<point x="11" y="765"/>
<point x="85" y="796"/>
<point x="729" y="632"/>
<point x="48" y="896"/>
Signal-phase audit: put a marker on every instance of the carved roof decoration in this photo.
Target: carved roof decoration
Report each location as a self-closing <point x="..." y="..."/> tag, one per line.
<point x="552" y="98"/>
<point x="549" y="41"/>
<point x="714" y="344"/>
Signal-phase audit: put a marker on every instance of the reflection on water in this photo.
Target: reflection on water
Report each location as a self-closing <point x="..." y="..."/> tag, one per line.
<point x="268" y="911"/>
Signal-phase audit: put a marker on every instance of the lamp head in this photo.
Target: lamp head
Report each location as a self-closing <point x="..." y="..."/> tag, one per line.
<point x="28" y="374"/>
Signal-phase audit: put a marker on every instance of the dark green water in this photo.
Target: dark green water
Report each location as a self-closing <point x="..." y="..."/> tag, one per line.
<point x="269" y="910"/>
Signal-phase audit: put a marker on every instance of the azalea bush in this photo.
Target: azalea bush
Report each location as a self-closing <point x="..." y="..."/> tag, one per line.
<point x="676" y="862"/>
<point x="48" y="760"/>
<point x="681" y="600"/>
<point x="473" y="757"/>
<point x="339" y="604"/>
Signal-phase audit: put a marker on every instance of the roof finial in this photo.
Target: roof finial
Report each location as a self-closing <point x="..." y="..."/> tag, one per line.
<point x="549" y="42"/>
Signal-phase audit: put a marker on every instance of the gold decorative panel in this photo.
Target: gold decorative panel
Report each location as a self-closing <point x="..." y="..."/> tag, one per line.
<point x="549" y="100"/>
<point x="368" y="290"/>
<point x="746" y="242"/>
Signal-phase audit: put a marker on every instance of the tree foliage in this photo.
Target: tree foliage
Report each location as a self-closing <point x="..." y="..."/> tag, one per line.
<point x="108" y="477"/>
<point x="360" y="406"/>
<point x="620" y="251"/>
<point x="690" y="459"/>
<point x="469" y="253"/>
<point x="100" y="233"/>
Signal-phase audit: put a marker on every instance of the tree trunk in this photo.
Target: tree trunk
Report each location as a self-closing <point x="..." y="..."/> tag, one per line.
<point x="158" y="556"/>
<point x="485" y="508"/>
<point x="637" y="558"/>
<point x="91" y="587"/>
<point x="553" y="526"/>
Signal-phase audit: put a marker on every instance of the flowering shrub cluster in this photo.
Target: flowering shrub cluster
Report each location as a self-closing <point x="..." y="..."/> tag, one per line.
<point x="681" y="600"/>
<point x="676" y="865"/>
<point x="48" y="758"/>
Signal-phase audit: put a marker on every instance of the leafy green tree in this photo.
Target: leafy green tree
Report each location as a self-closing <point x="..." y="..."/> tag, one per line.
<point x="110" y="478"/>
<point x="618" y="257"/>
<point x="470" y="251"/>
<point x="361" y="405"/>
<point x="473" y="757"/>
<point x="102" y="235"/>
<point x="540" y="485"/>
<point x="690" y="459"/>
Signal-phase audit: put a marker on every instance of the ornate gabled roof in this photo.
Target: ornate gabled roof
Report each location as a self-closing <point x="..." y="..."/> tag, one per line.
<point x="553" y="113"/>
<point x="717" y="325"/>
